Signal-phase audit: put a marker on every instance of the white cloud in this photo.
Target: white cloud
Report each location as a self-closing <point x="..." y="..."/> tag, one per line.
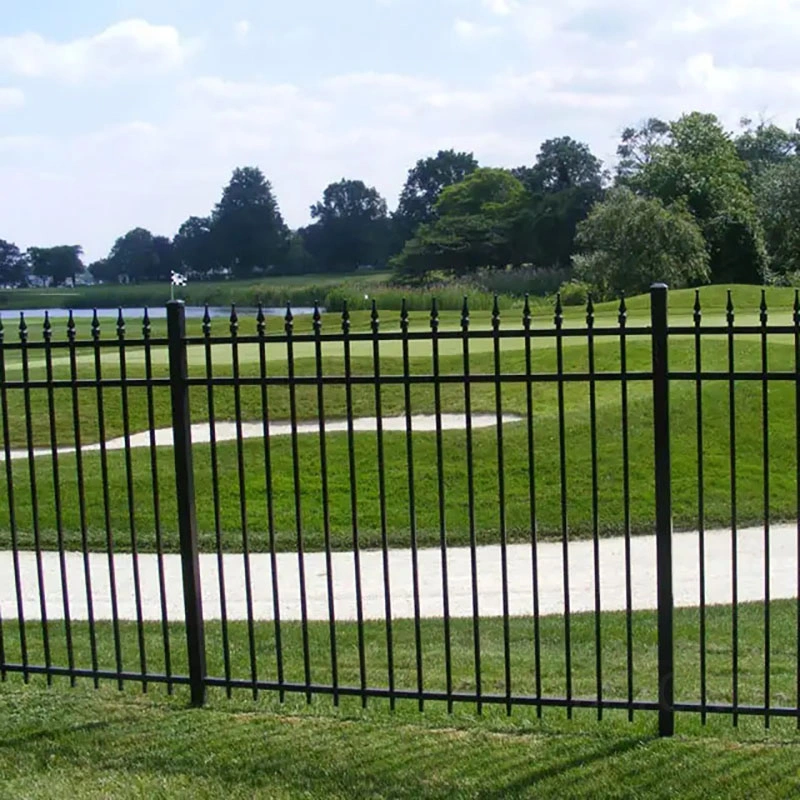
<point x="472" y="31"/>
<point x="241" y="29"/>
<point x="11" y="97"/>
<point x="584" y="68"/>
<point x="132" y="46"/>
<point x="501" y="7"/>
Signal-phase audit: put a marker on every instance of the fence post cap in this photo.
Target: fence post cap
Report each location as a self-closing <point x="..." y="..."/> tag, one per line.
<point x="658" y="286"/>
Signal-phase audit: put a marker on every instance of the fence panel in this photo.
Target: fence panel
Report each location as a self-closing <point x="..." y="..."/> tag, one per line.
<point x="457" y="509"/>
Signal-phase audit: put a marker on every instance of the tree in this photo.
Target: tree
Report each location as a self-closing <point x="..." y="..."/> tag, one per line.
<point x="195" y="246"/>
<point x="14" y="265"/>
<point x="478" y="223"/>
<point x="764" y="145"/>
<point x="57" y="264"/>
<point x="140" y="256"/>
<point x="351" y="229"/>
<point x="629" y="242"/>
<point x="777" y="191"/>
<point x="298" y="259"/>
<point x="565" y="181"/>
<point x="425" y="182"/>
<point x="561" y="164"/>
<point x="638" y="146"/>
<point x="248" y="227"/>
<point x="166" y="259"/>
<point x="102" y="271"/>
<point x="699" y="164"/>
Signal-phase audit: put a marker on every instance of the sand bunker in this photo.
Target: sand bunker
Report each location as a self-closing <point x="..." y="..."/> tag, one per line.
<point x="227" y="431"/>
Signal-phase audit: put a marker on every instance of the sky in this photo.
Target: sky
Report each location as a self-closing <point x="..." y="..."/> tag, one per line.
<point x="123" y="113"/>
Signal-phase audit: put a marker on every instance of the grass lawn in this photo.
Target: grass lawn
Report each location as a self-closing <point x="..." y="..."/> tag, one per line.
<point x="578" y="432"/>
<point x="61" y="744"/>
<point x="89" y="743"/>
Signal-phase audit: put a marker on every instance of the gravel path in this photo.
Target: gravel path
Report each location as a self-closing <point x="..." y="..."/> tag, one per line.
<point x="783" y="579"/>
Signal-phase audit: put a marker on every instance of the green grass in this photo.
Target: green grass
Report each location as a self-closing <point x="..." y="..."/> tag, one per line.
<point x="782" y="439"/>
<point x="88" y="744"/>
<point x="55" y="745"/>
<point x="782" y="673"/>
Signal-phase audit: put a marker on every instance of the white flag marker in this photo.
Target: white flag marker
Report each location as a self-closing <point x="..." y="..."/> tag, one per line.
<point x="176" y="279"/>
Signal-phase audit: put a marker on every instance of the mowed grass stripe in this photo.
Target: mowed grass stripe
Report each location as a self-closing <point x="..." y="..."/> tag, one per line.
<point x="783" y="669"/>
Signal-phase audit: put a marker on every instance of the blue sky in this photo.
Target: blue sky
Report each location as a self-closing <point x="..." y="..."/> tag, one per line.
<point x="118" y="113"/>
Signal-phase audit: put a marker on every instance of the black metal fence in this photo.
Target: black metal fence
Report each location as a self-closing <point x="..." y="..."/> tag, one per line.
<point x="81" y="593"/>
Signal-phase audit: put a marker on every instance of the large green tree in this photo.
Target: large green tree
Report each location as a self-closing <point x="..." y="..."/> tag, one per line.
<point x="196" y="246"/>
<point x="140" y="256"/>
<point x="777" y="191"/>
<point x="248" y="227"/>
<point x="628" y="242"/>
<point x="352" y="227"/>
<point x="425" y="182"/>
<point x="698" y="164"/>
<point x="479" y="223"/>
<point x="14" y="265"/>
<point x="638" y="145"/>
<point x="563" y="184"/>
<point x="57" y="264"/>
<point x="762" y="145"/>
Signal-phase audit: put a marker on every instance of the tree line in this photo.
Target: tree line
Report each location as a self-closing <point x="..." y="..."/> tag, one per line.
<point x="687" y="202"/>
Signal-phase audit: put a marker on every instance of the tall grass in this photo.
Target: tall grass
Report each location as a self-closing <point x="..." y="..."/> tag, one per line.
<point x="449" y="297"/>
<point x="535" y="281"/>
<point x="332" y="291"/>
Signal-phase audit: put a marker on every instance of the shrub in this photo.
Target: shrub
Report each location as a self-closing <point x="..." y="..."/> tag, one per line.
<point x="575" y="293"/>
<point x="630" y="242"/>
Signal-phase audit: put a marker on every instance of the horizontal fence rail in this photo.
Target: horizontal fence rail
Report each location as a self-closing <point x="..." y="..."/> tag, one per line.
<point x="475" y="514"/>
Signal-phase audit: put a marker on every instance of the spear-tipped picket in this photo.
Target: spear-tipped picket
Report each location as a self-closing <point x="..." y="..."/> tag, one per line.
<point x="622" y="315"/>
<point x="698" y="312"/>
<point x="404" y="316"/>
<point x="120" y="324"/>
<point x="288" y="319"/>
<point x="527" y="317"/>
<point x="95" y="325"/>
<point x="71" y="326"/>
<point x="434" y="314"/>
<point x="206" y="322"/>
<point x="316" y="319"/>
<point x="2" y="331"/>
<point x="796" y="307"/>
<point x="47" y="327"/>
<point x="345" y="318"/>
<point x="147" y="328"/>
<point x="729" y="309"/>
<point x="558" y="315"/>
<point x="234" y="321"/>
<point x="590" y="312"/>
<point x="763" y="308"/>
<point x="465" y="315"/>
<point x="23" y="327"/>
<point x="496" y="314"/>
<point x="374" y="319"/>
<point x="261" y="321"/>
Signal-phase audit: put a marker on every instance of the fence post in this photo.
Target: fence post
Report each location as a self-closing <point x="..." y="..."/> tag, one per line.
<point x="184" y="485"/>
<point x="663" y="481"/>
